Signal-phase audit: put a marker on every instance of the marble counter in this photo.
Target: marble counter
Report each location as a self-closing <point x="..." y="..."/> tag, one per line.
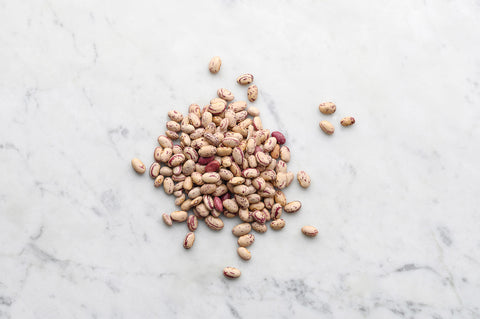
<point x="86" y="85"/>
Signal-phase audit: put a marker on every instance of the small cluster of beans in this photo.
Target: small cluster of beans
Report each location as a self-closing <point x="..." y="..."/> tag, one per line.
<point x="225" y="164"/>
<point x="330" y="108"/>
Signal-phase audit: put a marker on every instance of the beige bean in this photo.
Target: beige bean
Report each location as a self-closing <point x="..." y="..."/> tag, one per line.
<point x="347" y="121"/>
<point x="231" y="272"/>
<point x="244" y="253"/>
<point x="207" y="189"/>
<point x="259" y="183"/>
<point x="246" y="240"/>
<point x="176" y="160"/>
<point x="202" y="210"/>
<point x="212" y="139"/>
<point x="186" y="205"/>
<point x="252" y="93"/>
<point x="165" y="142"/>
<point x="154" y="170"/>
<point x="277" y="224"/>
<point x="188" y="167"/>
<point x="241" y="229"/>
<point x="258" y="227"/>
<point x="138" y="166"/>
<point x="240" y="117"/>
<point x="245" y="79"/>
<point x="171" y="135"/>
<point x="280" y="198"/>
<point x="230" y="116"/>
<point x="252" y="161"/>
<point x="290" y="178"/>
<point x="187" y="128"/>
<point x="231" y="142"/>
<point x="190" y="153"/>
<point x="166" y="171"/>
<point x="285" y="154"/>
<point x="211" y="177"/>
<point x="192" y="222"/>
<point x="207" y="119"/>
<point x="281" y="180"/>
<point x="166" y="219"/>
<point x="195" y="121"/>
<point x="178" y="186"/>
<point x="197" y="178"/>
<point x="175" y="116"/>
<point x="225" y="94"/>
<point x="180" y="199"/>
<point x="188" y="184"/>
<point x="168" y="185"/>
<point x="178" y="193"/>
<point x="158" y="181"/>
<point x="327" y="107"/>
<point x="166" y="155"/>
<point x="269" y="202"/>
<point x="199" y="132"/>
<point x="237" y="155"/>
<point x="257" y="123"/>
<point x="178" y="178"/>
<point x="292" y="207"/>
<point x="215" y="64"/>
<point x="269" y="144"/>
<point x="157" y="153"/>
<point x="241" y="190"/>
<point x="235" y="169"/>
<point x="194" y="108"/>
<point x="303" y="179"/>
<point x="179" y="216"/>
<point x="173" y="126"/>
<point x="216" y="108"/>
<point x="214" y="223"/>
<point x="268" y="175"/>
<point x="237" y="180"/>
<point x="189" y="240"/>
<point x="259" y="217"/>
<point x="253" y="111"/>
<point x="230" y="205"/>
<point x="225" y="174"/>
<point x="254" y="198"/>
<point x="207" y="151"/>
<point x="237" y="106"/>
<point x="327" y="127"/>
<point x="245" y="215"/>
<point x="256" y="206"/>
<point x="250" y="173"/>
<point x="309" y="231"/>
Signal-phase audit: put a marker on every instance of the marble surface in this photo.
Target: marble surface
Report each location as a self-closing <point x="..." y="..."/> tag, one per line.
<point x="85" y="86"/>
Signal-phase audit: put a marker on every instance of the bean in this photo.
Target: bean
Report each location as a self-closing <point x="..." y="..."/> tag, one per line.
<point x="252" y="93"/>
<point x="245" y="79"/>
<point x="138" y="166"/>
<point x="189" y="240"/>
<point x="303" y="179"/>
<point x="347" y="121"/>
<point x="309" y="231"/>
<point x="215" y="64"/>
<point x="327" y="107"/>
<point x="244" y="253"/>
<point x="327" y="127"/>
<point x="231" y="272"/>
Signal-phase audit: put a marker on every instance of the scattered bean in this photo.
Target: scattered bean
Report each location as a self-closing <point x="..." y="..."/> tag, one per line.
<point x="309" y="231"/>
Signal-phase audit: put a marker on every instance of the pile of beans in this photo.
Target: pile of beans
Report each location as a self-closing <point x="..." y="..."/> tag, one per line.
<point x="219" y="161"/>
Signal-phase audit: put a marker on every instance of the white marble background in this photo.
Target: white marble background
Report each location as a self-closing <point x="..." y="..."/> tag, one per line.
<point x="85" y="86"/>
